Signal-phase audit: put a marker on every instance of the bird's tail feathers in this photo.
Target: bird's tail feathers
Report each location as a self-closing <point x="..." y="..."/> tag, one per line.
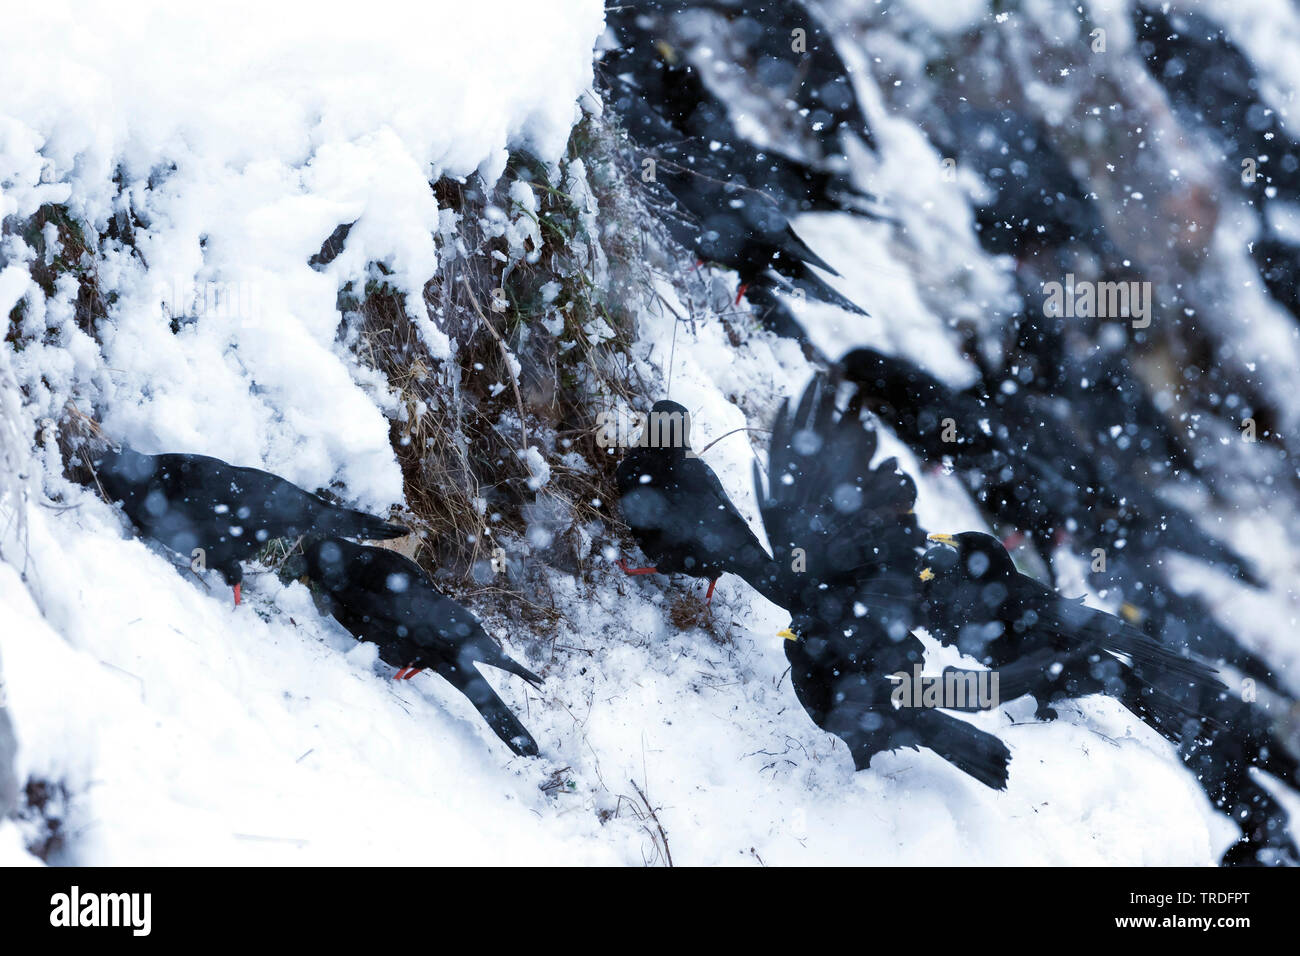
<point x="346" y="523"/>
<point x="494" y="710"/>
<point x="969" y="749"/>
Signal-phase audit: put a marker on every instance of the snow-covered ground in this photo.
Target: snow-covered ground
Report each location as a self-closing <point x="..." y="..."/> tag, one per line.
<point x="189" y="731"/>
<point x="185" y="730"/>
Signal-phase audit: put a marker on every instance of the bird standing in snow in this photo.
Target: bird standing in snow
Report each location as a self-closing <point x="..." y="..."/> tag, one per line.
<point x="385" y="598"/>
<point x="975" y="598"/>
<point x="844" y="542"/>
<point x="227" y="513"/>
<point x="718" y="194"/>
<point x="677" y="509"/>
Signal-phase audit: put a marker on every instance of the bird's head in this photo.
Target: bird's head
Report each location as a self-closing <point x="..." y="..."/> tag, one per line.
<point x="669" y="409"/>
<point x="123" y="470"/>
<point x="868" y="368"/>
<point x="802" y="624"/>
<point x="667" y="426"/>
<point x="964" y="578"/>
<point x="971" y="556"/>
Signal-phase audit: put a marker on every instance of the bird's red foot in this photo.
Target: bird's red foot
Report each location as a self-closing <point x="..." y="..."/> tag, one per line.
<point x="237" y="595"/>
<point x="740" y="293"/>
<point x="622" y="566"/>
<point x="406" y="673"/>
<point x="713" y="583"/>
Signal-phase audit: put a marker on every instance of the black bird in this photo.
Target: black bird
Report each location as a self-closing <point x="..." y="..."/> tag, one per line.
<point x="975" y="599"/>
<point x="1037" y="202"/>
<point x="1222" y="755"/>
<point x="1209" y="80"/>
<point x="812" y="84"/>
<point x="718" y="195"/>
<point x="226" y="512"/>
<point x="719" y="214"/>
<point x="844" y="545"/>
<point x="1023" y="476"/>
<point x="916" y="405"/>
<point x="1029" y="476"/>
<point x="794" y="55"/>
<point x="1179" y="620"/>
<point x="385" y="598"/>
<point x="1030" y="461"/>
<point x="676" y="507"/>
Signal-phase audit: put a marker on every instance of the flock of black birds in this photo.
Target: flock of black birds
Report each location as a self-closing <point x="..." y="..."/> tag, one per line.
<point x="845" y="555"/>
<point x="1060" y="442"/>
<point x="847" y="562"/>
<point x="220" y="516"/>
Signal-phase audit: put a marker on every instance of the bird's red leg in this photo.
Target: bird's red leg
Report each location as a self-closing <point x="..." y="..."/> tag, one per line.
<point x="401" y="672"/>
<point x="622" y="566"/>
<point x="237" y="595"/>
<point x="713" y="583"/>
<point x="740" y="293"/>
<point x="413" y="671"/>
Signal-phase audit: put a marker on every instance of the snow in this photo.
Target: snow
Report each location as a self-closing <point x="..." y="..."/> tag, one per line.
<point x="262" y="128"/>
<point x="189" y="731"/>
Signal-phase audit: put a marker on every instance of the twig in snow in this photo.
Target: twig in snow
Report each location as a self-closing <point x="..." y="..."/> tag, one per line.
<point x="663" y="837"/>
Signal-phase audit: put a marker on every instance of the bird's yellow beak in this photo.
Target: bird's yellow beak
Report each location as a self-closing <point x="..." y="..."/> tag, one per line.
<point x="926" y="574"/>
<point x="947" y="539"/>
<point x="788" y="634"/>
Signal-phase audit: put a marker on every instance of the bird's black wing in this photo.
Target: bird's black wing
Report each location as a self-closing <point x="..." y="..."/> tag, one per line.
<point x="915" y="405"/>
<point x="831" y="518"/>
<point x="285" y="510"/>
<point x="725" y="531"/>
<point x="1077" y="625"/>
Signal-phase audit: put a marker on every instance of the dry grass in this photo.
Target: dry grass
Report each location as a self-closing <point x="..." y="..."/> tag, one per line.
<point x="509" y="385"/>
<point x="73" y="253"/>
<point x="466" y="421"/>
